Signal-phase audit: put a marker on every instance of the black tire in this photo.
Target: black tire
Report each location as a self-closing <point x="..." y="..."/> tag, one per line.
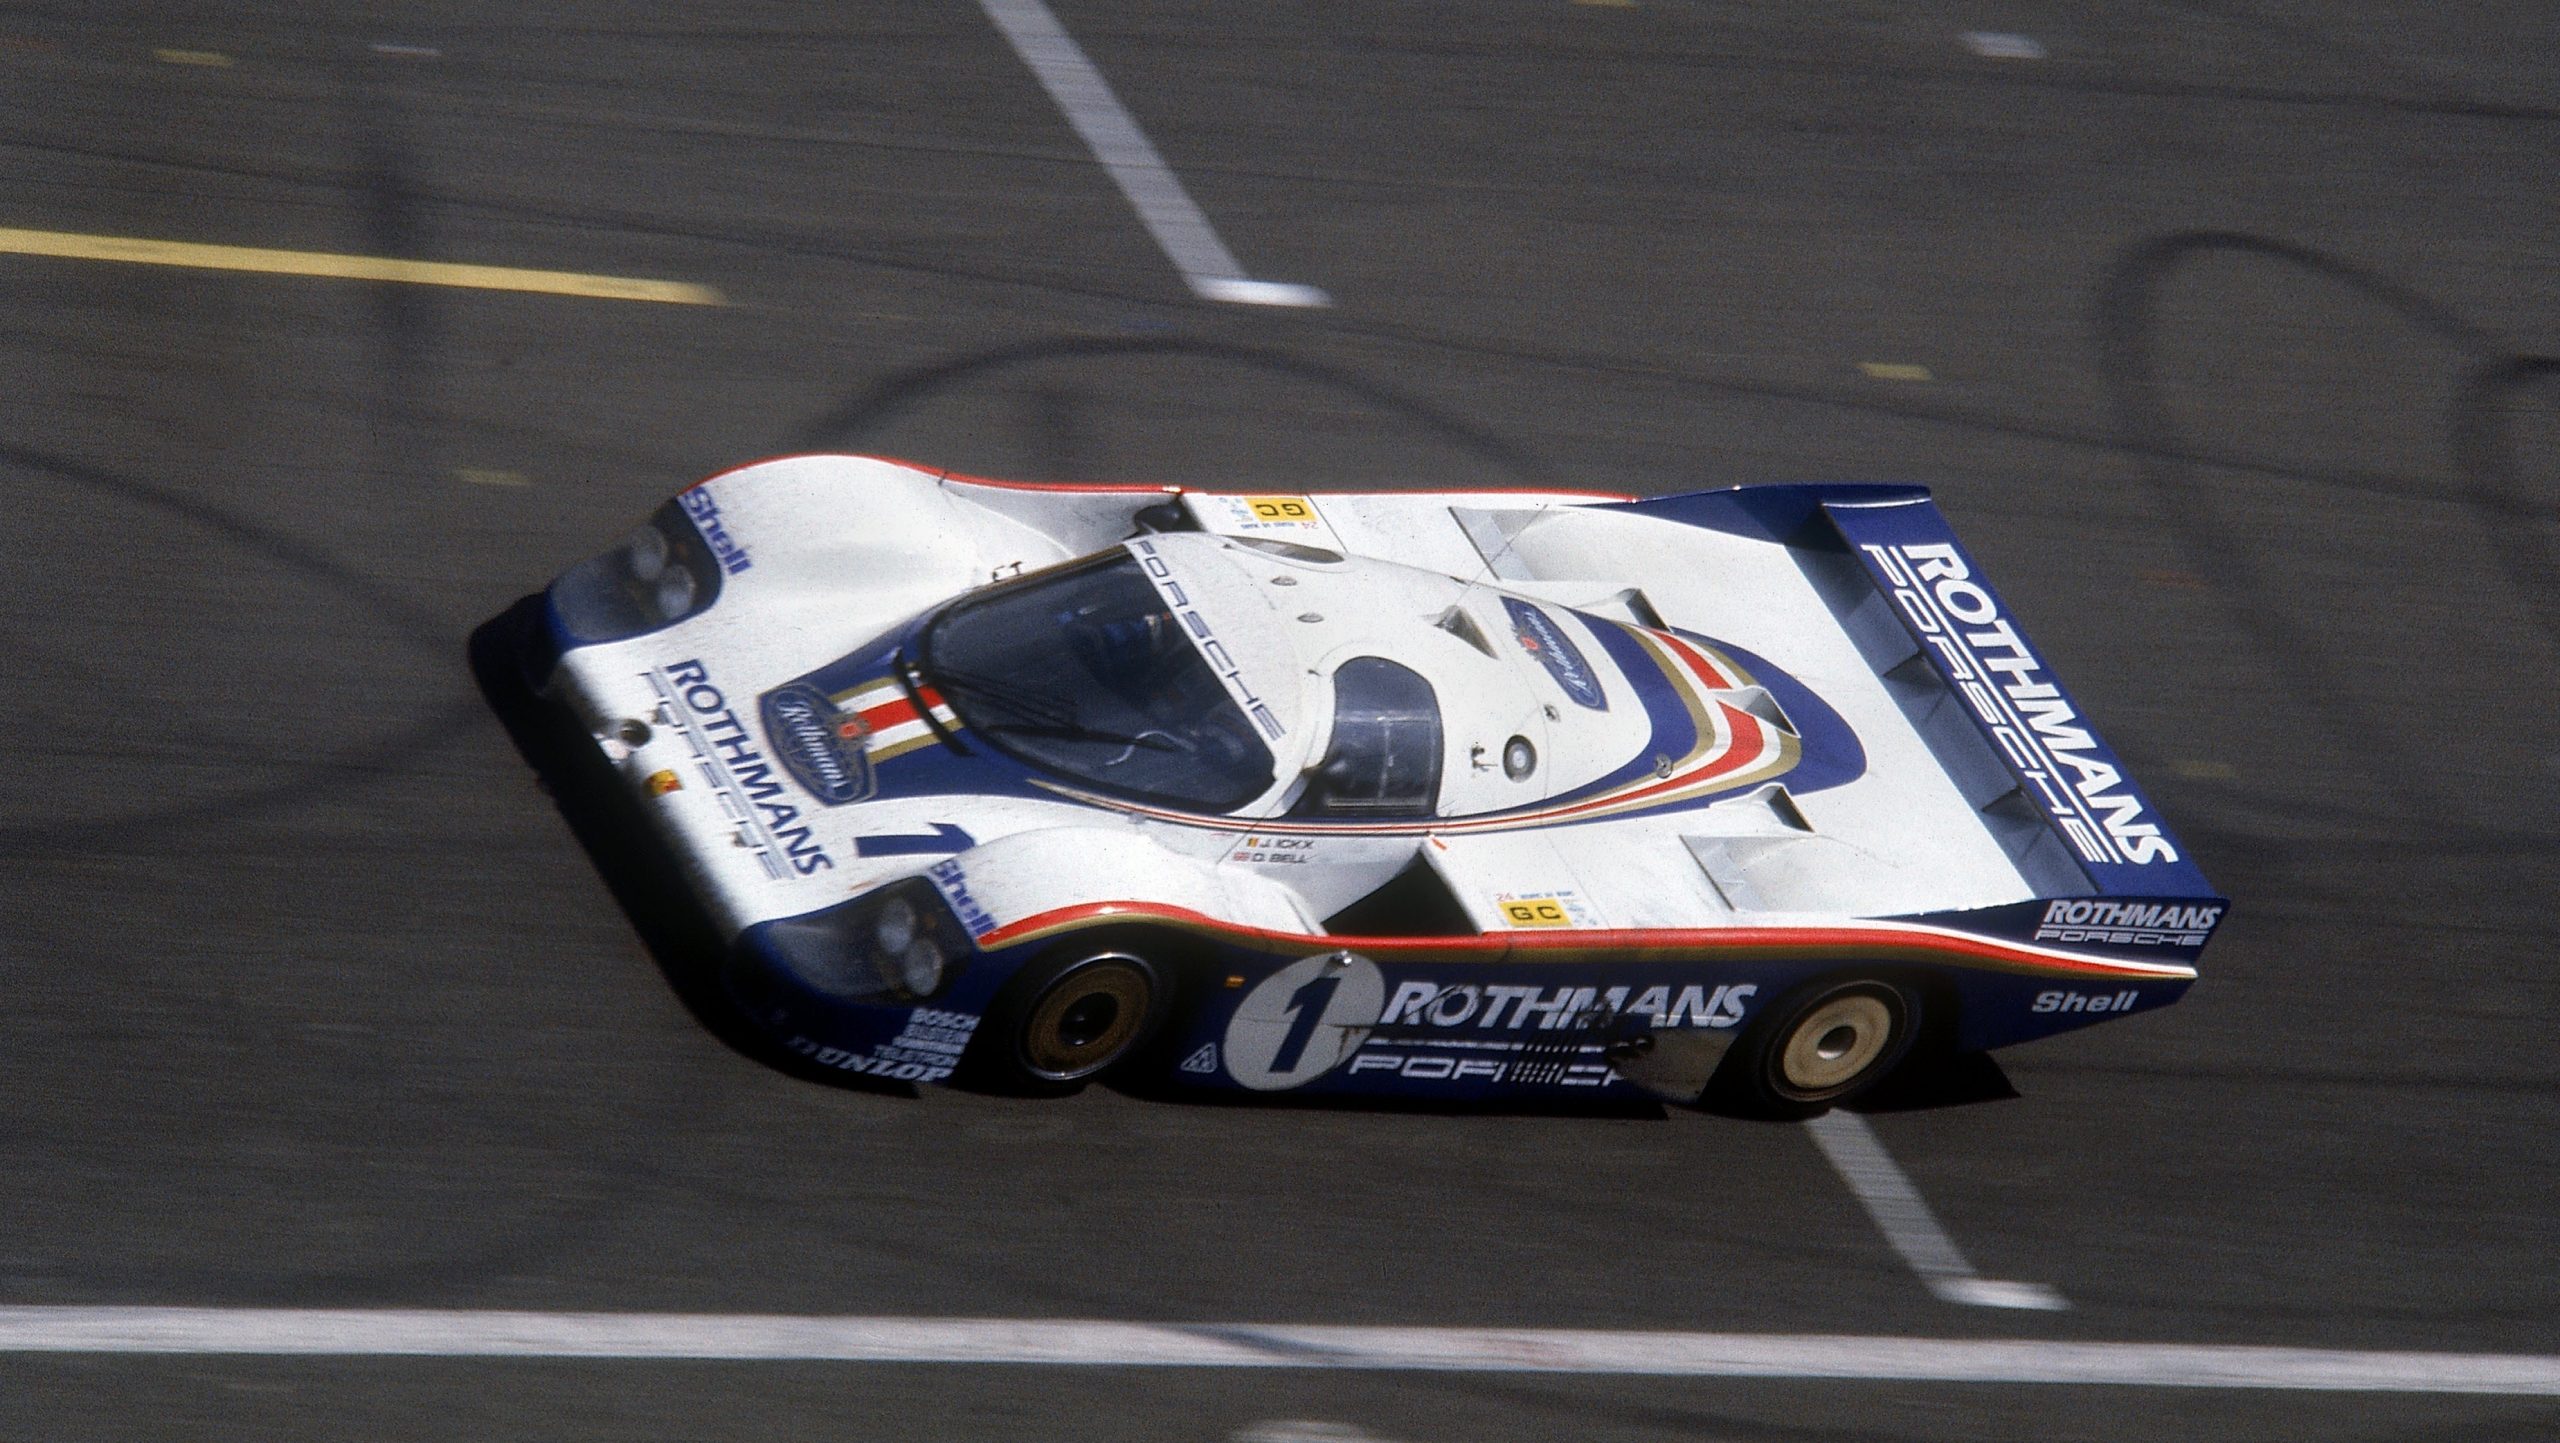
<point x="1069" y="1018"/>
<point x="1820" y="1046"/>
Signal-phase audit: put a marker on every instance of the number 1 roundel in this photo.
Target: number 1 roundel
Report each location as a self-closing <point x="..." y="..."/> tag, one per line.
<point x="1303" y="1021"/>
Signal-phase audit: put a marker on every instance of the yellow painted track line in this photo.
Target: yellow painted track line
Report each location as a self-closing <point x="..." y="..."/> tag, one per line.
<point x="135" y="251"/>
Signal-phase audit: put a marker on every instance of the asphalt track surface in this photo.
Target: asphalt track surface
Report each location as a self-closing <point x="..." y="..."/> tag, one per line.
<point x="2234" y="321"/>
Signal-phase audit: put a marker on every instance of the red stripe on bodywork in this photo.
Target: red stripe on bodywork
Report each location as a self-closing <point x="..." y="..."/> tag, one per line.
<point x="1749" y="739"/>
<point x="1742" y="943"/>
<point x="1120" y="487"/>
<point x="1707" y="671"/>
<point x="897" y="711"/>
<point x="888" y="714"/>
<point x="1741" y="751"/>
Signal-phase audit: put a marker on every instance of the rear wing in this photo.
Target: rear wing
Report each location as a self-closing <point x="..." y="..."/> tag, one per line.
<point x="1991" y="710"/>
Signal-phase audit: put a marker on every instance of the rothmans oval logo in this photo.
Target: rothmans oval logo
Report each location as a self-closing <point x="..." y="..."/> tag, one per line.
<point x="821" y="746"/>
<point x="1542" y="638"/>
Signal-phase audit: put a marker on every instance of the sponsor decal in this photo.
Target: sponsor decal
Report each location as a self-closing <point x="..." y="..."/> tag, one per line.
<point x="662" y="782"/>
<point x="927" y="1050"/>
<point x="1202" y="1062"/>
<point x="1421" y="1003"/>
<point x="705" y="512"/>
<point x="953" y="882"/>
<point x="2012" y="691"/>
<point x="1520" y="1072"/>
<point x="1292" y="518"/>
<point x="1560" y="908"/>
<point x="1303" y="1021"/>
<point x="942" y="840"/>
<point x="2129" y="924"/>
<point x="1285" y="510"/>
<point x="1202" y="636"/>
<point x="891" y="726"/>
<point x="821" y="747"/>
<point x="739" y="773"/>
<point x="2085" y="1001"/>
<point x="1539" y="636"/>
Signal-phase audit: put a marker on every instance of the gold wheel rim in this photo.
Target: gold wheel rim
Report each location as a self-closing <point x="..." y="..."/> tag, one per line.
<point x="1835" y="1043"/>
<point x="1084" y="1023"/>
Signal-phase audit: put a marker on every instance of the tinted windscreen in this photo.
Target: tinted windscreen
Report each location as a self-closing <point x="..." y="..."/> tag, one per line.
<point x="1085" y="672"/>
<point x="1385" y="757"/>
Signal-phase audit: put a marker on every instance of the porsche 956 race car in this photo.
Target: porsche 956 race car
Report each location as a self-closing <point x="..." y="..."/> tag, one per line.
<point x="1748" y="794"/>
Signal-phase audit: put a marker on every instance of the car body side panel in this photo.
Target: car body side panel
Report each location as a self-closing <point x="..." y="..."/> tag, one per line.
<point x="1491" y="1016"/>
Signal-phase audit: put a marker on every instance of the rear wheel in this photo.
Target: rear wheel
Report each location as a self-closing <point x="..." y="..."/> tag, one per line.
<point x="1820" y="1046"/>
<point x="1068" y="1018"/>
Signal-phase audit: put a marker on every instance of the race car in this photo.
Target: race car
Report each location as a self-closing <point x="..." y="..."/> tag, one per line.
<point x="1747" y="796"/>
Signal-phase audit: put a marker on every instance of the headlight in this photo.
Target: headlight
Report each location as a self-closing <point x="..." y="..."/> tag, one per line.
<point x="920" y="966"/>
<point x="897" y="925"/>
<point x="675" y="594"/>
<point x="899" y="944"/>
<point x="648" y="548"/>
<point x="659" y="575"/>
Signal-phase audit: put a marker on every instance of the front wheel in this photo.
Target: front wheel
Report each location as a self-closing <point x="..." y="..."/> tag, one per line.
<point x="1069" y="1018"/>
<point x="1820" y="1046"/>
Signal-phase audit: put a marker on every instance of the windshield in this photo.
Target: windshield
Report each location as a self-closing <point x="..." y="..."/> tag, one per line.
<point x="1084" y="671"/>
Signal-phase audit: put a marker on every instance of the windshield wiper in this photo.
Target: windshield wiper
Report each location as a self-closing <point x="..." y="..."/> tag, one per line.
<point x="1040" y="709"/>
<point x="911" y="681"/>
<point x="1044" y="716"/>
<point x="1154" y="741"/>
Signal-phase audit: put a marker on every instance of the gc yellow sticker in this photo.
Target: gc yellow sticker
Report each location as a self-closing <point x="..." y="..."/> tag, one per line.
<point x="1539" y="912"/>
<point x="1293" y="518"/>
<point x="1283" y="509"/>
<point x="1559" y="907"/>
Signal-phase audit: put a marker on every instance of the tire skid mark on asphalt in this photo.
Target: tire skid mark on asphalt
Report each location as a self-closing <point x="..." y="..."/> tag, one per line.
<point x="2128" y="322"/>
<point x="401" y="615"/>
<point x="859" y="421"/>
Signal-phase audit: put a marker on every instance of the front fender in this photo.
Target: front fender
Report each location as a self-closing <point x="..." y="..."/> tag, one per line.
<point x="1033" y="885"/>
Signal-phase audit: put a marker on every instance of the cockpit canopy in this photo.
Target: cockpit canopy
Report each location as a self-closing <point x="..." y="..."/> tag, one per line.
<point x="1386" y="751"/>
<point x="1190" y="673"/>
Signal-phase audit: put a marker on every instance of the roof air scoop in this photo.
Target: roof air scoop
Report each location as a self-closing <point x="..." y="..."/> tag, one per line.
<point x="1639" y="608"/>
<point x="1457" y="623"/>
<point x="1627" y="603"/>
<point x="1768" y="811"/>
<point x="1757" y="701"/>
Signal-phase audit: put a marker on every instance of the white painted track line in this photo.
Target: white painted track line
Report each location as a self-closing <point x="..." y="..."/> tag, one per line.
<point x="992" y="1341"/>
<point x="1903" y="1216"/>
<point x="1163" y="206"/>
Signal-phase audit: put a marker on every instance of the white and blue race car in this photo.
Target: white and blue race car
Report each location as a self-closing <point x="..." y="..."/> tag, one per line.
<point x="1750" y="794"/>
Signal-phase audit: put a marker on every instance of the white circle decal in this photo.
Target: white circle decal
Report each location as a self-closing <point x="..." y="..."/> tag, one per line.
<point x="1304" y="1020"/>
